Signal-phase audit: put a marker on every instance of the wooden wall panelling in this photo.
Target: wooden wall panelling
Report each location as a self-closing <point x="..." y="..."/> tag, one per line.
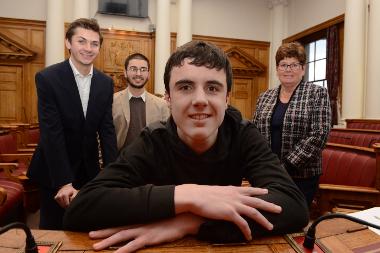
<point x="37" y="43"/>
<point x="241" y="95"/>
<point x="117" y="46"/>
<point x="22" y="54"/>
<point x="31" y="92"/>
<point x="10" y="93"/>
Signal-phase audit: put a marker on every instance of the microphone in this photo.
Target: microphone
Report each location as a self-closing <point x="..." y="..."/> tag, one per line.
<point x="30" y="244"/>
<point x="310" y="234"/>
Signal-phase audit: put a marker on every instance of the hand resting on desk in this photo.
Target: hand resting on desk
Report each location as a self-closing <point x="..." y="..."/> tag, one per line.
<point x="139" y="236"/>
<point x="227" y="203"/>
<point x="193" y="202"/>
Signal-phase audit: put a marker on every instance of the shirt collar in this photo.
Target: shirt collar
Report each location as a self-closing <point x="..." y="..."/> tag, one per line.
<point x="143" y="95"/>
<point x="77" y="73"/>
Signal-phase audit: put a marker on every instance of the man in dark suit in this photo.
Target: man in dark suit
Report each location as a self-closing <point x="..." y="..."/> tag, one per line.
<point x="75" y="110"/>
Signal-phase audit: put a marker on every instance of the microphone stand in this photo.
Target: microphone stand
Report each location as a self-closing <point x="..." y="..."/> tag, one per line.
<point x="30" y="244"/>
<point x="310" y="235"/>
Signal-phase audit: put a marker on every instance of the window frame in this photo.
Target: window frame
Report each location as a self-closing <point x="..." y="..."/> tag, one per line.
<point x="315" y="60"/>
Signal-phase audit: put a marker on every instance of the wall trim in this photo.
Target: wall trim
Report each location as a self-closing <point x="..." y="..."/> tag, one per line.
<point x="317" y="28"/>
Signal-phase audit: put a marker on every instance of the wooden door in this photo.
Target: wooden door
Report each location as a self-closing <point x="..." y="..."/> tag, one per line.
<point x="244" y="94"/>
<point x="241" y="96"/>
<point x="11" y="102"/>
<point x="249" y="80"/>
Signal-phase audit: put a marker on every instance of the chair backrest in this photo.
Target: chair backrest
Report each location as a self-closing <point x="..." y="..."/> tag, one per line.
<point x="33" y="135"/>
<point x="338" y="137"/>
<point x="352" y="167"/>
<point x="13" y="201"/>
<point x="354" y="137"/>
<point x="363" y="123"/>
<point x="3" y="196"/>
<point x="8" y="144"/>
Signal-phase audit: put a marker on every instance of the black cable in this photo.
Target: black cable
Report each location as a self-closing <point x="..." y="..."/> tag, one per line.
<point x="30" y="243"/>
<point x="310" y="235"/>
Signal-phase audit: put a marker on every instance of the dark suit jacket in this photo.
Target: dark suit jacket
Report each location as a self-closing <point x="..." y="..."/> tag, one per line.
<point x="68" y="147"/>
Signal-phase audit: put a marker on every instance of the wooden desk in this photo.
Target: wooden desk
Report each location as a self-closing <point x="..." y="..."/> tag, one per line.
<point x="332" y="233"/>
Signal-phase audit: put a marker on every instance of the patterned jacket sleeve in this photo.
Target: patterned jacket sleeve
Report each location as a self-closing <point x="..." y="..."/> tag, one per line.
<point x="254" y="117"/>
<point x="319" y="127"/>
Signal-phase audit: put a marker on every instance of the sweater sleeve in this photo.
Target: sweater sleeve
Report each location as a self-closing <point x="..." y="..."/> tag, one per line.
<point x="121" y="194"/>
<point x="263" y="169"/>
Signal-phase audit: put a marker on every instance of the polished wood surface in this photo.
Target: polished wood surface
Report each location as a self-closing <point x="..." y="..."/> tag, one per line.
<point x="332" y="233"/>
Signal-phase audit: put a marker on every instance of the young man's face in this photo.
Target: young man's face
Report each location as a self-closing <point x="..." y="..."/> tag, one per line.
<point x="137" y="73"/>
<point x="84" y="47"/>
<point x="198" y="100"/>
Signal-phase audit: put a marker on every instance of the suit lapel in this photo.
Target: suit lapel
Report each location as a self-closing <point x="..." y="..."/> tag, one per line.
<point x="125" y="107"/>
<point x="150" y="109"/>
<point x="69" y="83"/>
<point x="95" y="89"/>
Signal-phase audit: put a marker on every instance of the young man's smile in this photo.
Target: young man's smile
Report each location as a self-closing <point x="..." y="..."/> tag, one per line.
<point x="199" y="116"/>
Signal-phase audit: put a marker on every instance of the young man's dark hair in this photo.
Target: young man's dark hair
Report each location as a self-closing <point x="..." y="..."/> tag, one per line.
<point x="85" y="23"/>
<point x="201" y="53"/>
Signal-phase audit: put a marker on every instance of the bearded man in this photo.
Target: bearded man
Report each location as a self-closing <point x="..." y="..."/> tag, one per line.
<point x="134" y="107"/>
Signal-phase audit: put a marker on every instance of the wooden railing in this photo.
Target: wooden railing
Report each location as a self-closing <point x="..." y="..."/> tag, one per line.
<point x="363" y="123"/>
<point x="354" y="137"/>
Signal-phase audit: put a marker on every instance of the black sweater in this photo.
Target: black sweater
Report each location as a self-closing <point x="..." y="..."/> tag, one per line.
<point x="139" y="186"/>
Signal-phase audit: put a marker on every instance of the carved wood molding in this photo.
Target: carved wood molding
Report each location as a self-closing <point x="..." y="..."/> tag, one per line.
<point x="119" y="80"/>
<point x="12" y="50"/>
<point x="243" y="64"/>
<point x="17" y="22"/>
<point x="117" y="46"/>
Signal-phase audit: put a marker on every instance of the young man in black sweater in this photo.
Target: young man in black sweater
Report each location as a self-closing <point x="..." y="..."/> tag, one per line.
<point x="184" y="176"/>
